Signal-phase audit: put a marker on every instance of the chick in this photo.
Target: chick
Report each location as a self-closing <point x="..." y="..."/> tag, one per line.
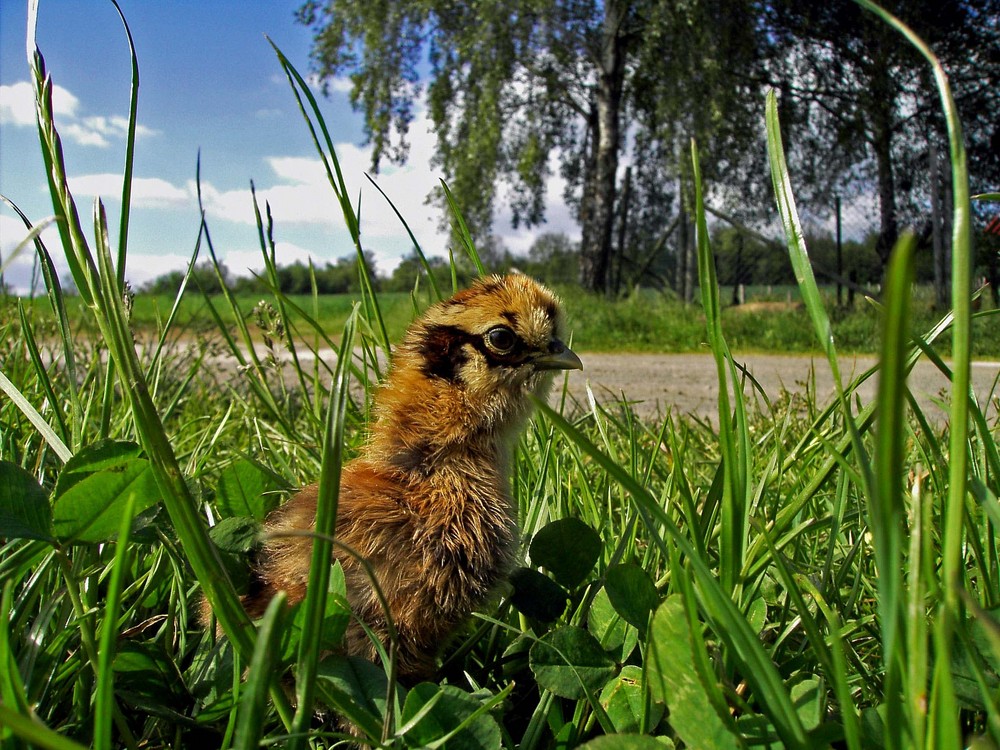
<point x="428" y="503"/>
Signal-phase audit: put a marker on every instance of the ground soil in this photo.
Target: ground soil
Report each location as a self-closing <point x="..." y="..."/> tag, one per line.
<point x="687" y="384"/>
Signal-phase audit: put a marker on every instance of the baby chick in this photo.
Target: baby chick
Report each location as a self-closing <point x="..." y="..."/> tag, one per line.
<point x="428" y="503"/>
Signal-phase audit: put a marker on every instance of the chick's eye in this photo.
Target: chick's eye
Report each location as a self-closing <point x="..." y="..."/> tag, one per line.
<point x="501" y="338"/>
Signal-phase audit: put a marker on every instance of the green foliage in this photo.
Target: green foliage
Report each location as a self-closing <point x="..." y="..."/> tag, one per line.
<point x="94" y="488"/>
<point x="750" y="261"/>
<point x="632" y="593"/>
<point x="247" y="489"/>
<point x="24" y="506"/>
<point x="674" y="679"/>
<point x="435" y="714"/>
<point x="205" y="276"/>
<point x="571" y="663"/>
<point x="801" y="578"/>
<point x="514" y="86"/>
<point x="568" y="549"/>
<point x="853" y="122"/>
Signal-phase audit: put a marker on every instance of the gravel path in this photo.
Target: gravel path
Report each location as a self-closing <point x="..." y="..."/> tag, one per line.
<point x="688" y="384"/>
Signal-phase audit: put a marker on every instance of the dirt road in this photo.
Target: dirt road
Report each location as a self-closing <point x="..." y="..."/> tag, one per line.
<point x="685" y="384"/>
<point x="688" y="383"/>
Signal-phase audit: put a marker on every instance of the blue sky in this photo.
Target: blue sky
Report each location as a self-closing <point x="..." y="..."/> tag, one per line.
<point x="209" y="81"/>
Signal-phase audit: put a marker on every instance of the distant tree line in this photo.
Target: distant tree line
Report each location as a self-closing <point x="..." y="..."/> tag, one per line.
<point x="553" y="258"/>
<point x="339" y="277"/>
<point x="741" y="258"/>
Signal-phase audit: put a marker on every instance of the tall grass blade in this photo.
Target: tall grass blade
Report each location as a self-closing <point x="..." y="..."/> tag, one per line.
<point x="176" y="306"/>
<point x="328" y="155"/>
<point x="265" y="236"/>
<point x="78" y="256"/>
<point x="336" y="179"/>
<point x="34" y="232"/>
<point x="259" y="382"/>
<point x="54" y="292"/>
<point x="795" y="236"/>
<point x="462" y="230"/>
<point x="104" y="696"/>
<point x="36" y="734"/>
<point x="733" y="439"/>
<point x="133" y="106"/>
<point x="252" y="710"/>
<point x="12" y="692"/>
<point x="915" y="624"/>
<point x="804" y="276"/>
<point x="36" y="419"/>
<point x="314" y="605"/>
<point x="42" y="372"/>
<point x="887" y="512"/>
<point x="962" y="306"/>
<point x="944" y="704"/>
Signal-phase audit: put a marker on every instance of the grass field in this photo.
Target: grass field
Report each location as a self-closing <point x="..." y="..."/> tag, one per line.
<point x="793" y="579"/>
<point x="644" y="321"/>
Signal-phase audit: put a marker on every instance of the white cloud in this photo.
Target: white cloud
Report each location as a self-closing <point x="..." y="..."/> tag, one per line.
<point x="299" y="195"/>
<point x="298" y="169"/>
<point x="12" y="233"/>
<point x="17" y="108"/>
<point x="228" y="205"/>
<point x="83" y="136"/>
<point x="338" y="85"/>
<point x="341" y="85"/>
<point x="114" y="127"/>
<point x="141" y="268"/>
<point x="20" y="270"/>
<point x="245" y="262"/>
<point x="153" y="192"/>
<point x="17" y="104"/>
<point x="302" y="195"/>
<point x="147" y="192"/>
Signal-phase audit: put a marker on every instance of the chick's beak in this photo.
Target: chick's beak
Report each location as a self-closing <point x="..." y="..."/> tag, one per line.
<point x="558" y="357"/>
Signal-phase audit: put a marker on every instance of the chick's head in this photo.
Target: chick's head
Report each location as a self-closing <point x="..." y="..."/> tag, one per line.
<point x="496" y="342"/>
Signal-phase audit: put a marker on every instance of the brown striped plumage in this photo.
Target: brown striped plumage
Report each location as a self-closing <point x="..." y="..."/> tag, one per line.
<point x="428" y="501"/>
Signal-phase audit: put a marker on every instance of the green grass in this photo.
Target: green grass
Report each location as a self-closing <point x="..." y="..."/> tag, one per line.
<point x="644" y="321"/>
<point x="194" y="314"/>
<point x="793" y="578"/>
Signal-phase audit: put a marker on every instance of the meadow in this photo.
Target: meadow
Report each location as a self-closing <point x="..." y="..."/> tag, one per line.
<point x="792" y="579"/>
<point x="645" y="320"/>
